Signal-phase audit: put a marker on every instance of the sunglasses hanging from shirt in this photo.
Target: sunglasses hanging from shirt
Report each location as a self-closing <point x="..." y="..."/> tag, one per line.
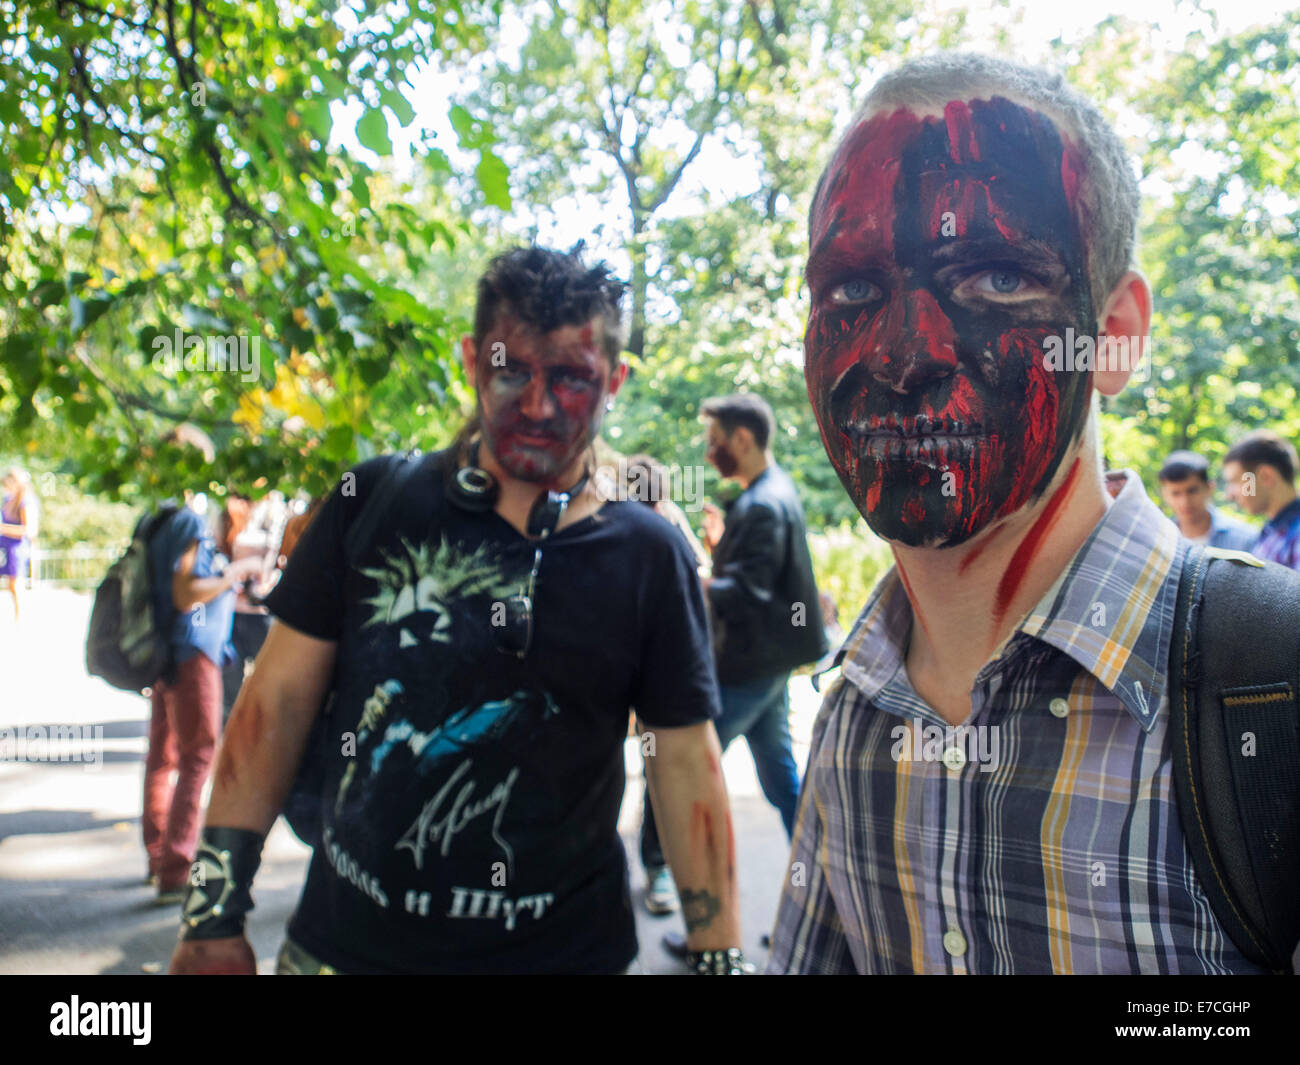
<point x="475" y="490"/>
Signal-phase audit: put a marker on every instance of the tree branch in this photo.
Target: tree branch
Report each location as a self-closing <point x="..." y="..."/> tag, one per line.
<point x="238" y="204"/>
<point x="135" y="401"/>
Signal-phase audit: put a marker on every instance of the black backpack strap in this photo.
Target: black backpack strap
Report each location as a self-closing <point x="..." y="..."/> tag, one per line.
<point x="1234" y="669"/>
<point x="375" y="509"/>
<point x="302" y="806"/>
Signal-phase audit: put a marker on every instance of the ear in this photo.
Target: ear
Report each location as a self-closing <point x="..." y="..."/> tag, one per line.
<point x="745" y="438"/>
<point x="1127" y="315"/>
<point x="469" y="359"/>
<point x="617" y="378"/>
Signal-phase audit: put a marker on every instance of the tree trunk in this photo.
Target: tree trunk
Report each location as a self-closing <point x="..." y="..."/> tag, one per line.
<point x="640" y="282"/>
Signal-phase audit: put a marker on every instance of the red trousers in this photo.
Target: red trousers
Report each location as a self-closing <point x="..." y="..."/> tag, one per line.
<point x="182" y="737"/>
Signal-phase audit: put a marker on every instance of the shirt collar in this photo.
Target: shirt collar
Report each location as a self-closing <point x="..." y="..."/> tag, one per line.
<point x="1111" y="610"/>
<point x="1285" y="516"/>
<point x="877" y="645"/>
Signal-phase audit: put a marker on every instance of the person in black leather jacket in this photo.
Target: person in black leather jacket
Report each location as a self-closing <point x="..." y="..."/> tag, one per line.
<point x="765" y="611"/>
<point x="762" y="596"/>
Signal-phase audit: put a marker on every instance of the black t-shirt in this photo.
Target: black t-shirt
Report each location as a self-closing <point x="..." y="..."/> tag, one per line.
<point x="470" y="813"/>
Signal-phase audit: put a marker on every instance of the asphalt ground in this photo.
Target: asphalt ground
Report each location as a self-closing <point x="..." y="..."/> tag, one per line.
<point x="73" y="896"/>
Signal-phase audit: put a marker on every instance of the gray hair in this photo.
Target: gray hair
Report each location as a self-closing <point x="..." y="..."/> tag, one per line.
<point x="1108" y="191"/>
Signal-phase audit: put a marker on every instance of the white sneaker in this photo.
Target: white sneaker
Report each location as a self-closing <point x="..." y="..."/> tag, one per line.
<point x="661" y="895"/>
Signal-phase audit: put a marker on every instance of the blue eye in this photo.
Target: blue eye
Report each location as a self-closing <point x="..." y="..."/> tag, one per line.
<point x="1004" y="281"/>
<point x="858" y="290"/>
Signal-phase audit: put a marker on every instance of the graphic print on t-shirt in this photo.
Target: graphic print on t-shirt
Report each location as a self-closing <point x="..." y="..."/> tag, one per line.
<point x="441" y="596"/>
<point x="418" y="580"/>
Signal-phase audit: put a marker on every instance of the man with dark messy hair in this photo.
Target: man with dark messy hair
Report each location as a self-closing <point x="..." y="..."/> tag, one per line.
<point x="547" y="289"/>
<point x="1260" y="470"/>
<point x="483" y="643"/>
<point x="989" y="787"/>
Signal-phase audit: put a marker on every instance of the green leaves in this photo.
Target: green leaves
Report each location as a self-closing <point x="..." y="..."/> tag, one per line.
<point x="211" y="205"/>
<point x="400" y="106"/>
<point x="1220" y="247"/>
<point x="296" y="279"/>
<point x="372" y="132"/>
<point x="494" y="180"/>
<point x="86" y="312"/>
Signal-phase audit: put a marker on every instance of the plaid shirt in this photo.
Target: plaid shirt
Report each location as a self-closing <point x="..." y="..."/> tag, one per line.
<point x="1044" y="839"/>
<point x="1279" y="540"/>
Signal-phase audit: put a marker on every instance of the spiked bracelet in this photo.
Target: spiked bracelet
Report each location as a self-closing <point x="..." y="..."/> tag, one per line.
<point x="729" y="962"/>
<point x="220" y="878"/>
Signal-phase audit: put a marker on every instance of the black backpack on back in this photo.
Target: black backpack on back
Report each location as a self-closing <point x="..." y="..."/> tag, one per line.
<point x="126" y="643"/>
<point x="304" y="807"/>
<point x="1234" y="678"/>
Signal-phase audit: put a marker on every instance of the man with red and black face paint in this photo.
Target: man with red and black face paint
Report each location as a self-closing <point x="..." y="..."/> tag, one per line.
<point x="989" y="785"/>
<point x="484" y="619"/>
<point x="945" y="249"/>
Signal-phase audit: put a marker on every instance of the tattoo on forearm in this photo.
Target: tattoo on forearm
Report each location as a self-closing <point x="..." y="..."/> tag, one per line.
<point x="699" y="908"/>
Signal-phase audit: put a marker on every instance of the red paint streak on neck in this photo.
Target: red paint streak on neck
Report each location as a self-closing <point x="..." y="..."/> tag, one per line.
<point x="1019" y="566"/>
<point x="978" y="550"/>
<point x="911" y="596"/>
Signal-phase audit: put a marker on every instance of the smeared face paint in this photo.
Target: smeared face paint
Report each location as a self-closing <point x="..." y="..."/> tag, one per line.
<point x="540" y="396"/>
<point x="945" y="249"/>
<point x="718" y="452"/>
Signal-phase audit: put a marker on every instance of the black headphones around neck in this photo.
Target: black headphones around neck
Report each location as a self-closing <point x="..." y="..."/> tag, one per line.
<point x="475" y="490"/>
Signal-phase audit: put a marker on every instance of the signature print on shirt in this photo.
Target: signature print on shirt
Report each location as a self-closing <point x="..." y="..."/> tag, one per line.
<point x="469" y="728"/>
<point x="445" y="816"/>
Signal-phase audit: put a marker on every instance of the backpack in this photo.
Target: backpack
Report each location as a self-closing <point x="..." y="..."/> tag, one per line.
<point x="126" y="643"/>
<point x="1234" y="668"/>
<point x="303" y="808"/>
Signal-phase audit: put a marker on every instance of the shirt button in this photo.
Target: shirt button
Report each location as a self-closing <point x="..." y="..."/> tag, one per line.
<point x="954" y="943"/>
<point x="1059" y="707"/>
<point x="954" y="758"/>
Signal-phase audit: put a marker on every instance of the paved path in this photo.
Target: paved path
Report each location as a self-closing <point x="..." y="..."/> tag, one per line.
<point x="72" y="891"/>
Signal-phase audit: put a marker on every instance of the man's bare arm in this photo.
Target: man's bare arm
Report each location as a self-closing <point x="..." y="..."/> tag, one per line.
<point x="258" y="760"/>
<point x="268" y="728"/>
<point x="684" y="775"/>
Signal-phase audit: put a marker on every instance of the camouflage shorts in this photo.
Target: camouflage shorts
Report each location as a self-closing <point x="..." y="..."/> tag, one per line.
<point x="294" y="961"/>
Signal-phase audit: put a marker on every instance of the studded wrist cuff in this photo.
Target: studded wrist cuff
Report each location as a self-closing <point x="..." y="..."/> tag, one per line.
<point x="729" y="962"/>
<point x="217" y="896"/>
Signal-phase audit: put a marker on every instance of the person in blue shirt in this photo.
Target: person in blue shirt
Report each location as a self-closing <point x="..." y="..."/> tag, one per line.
<point x="1260" y="471"/>
<point x="194" y="601"/>
<point x="1185" y="487"/>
